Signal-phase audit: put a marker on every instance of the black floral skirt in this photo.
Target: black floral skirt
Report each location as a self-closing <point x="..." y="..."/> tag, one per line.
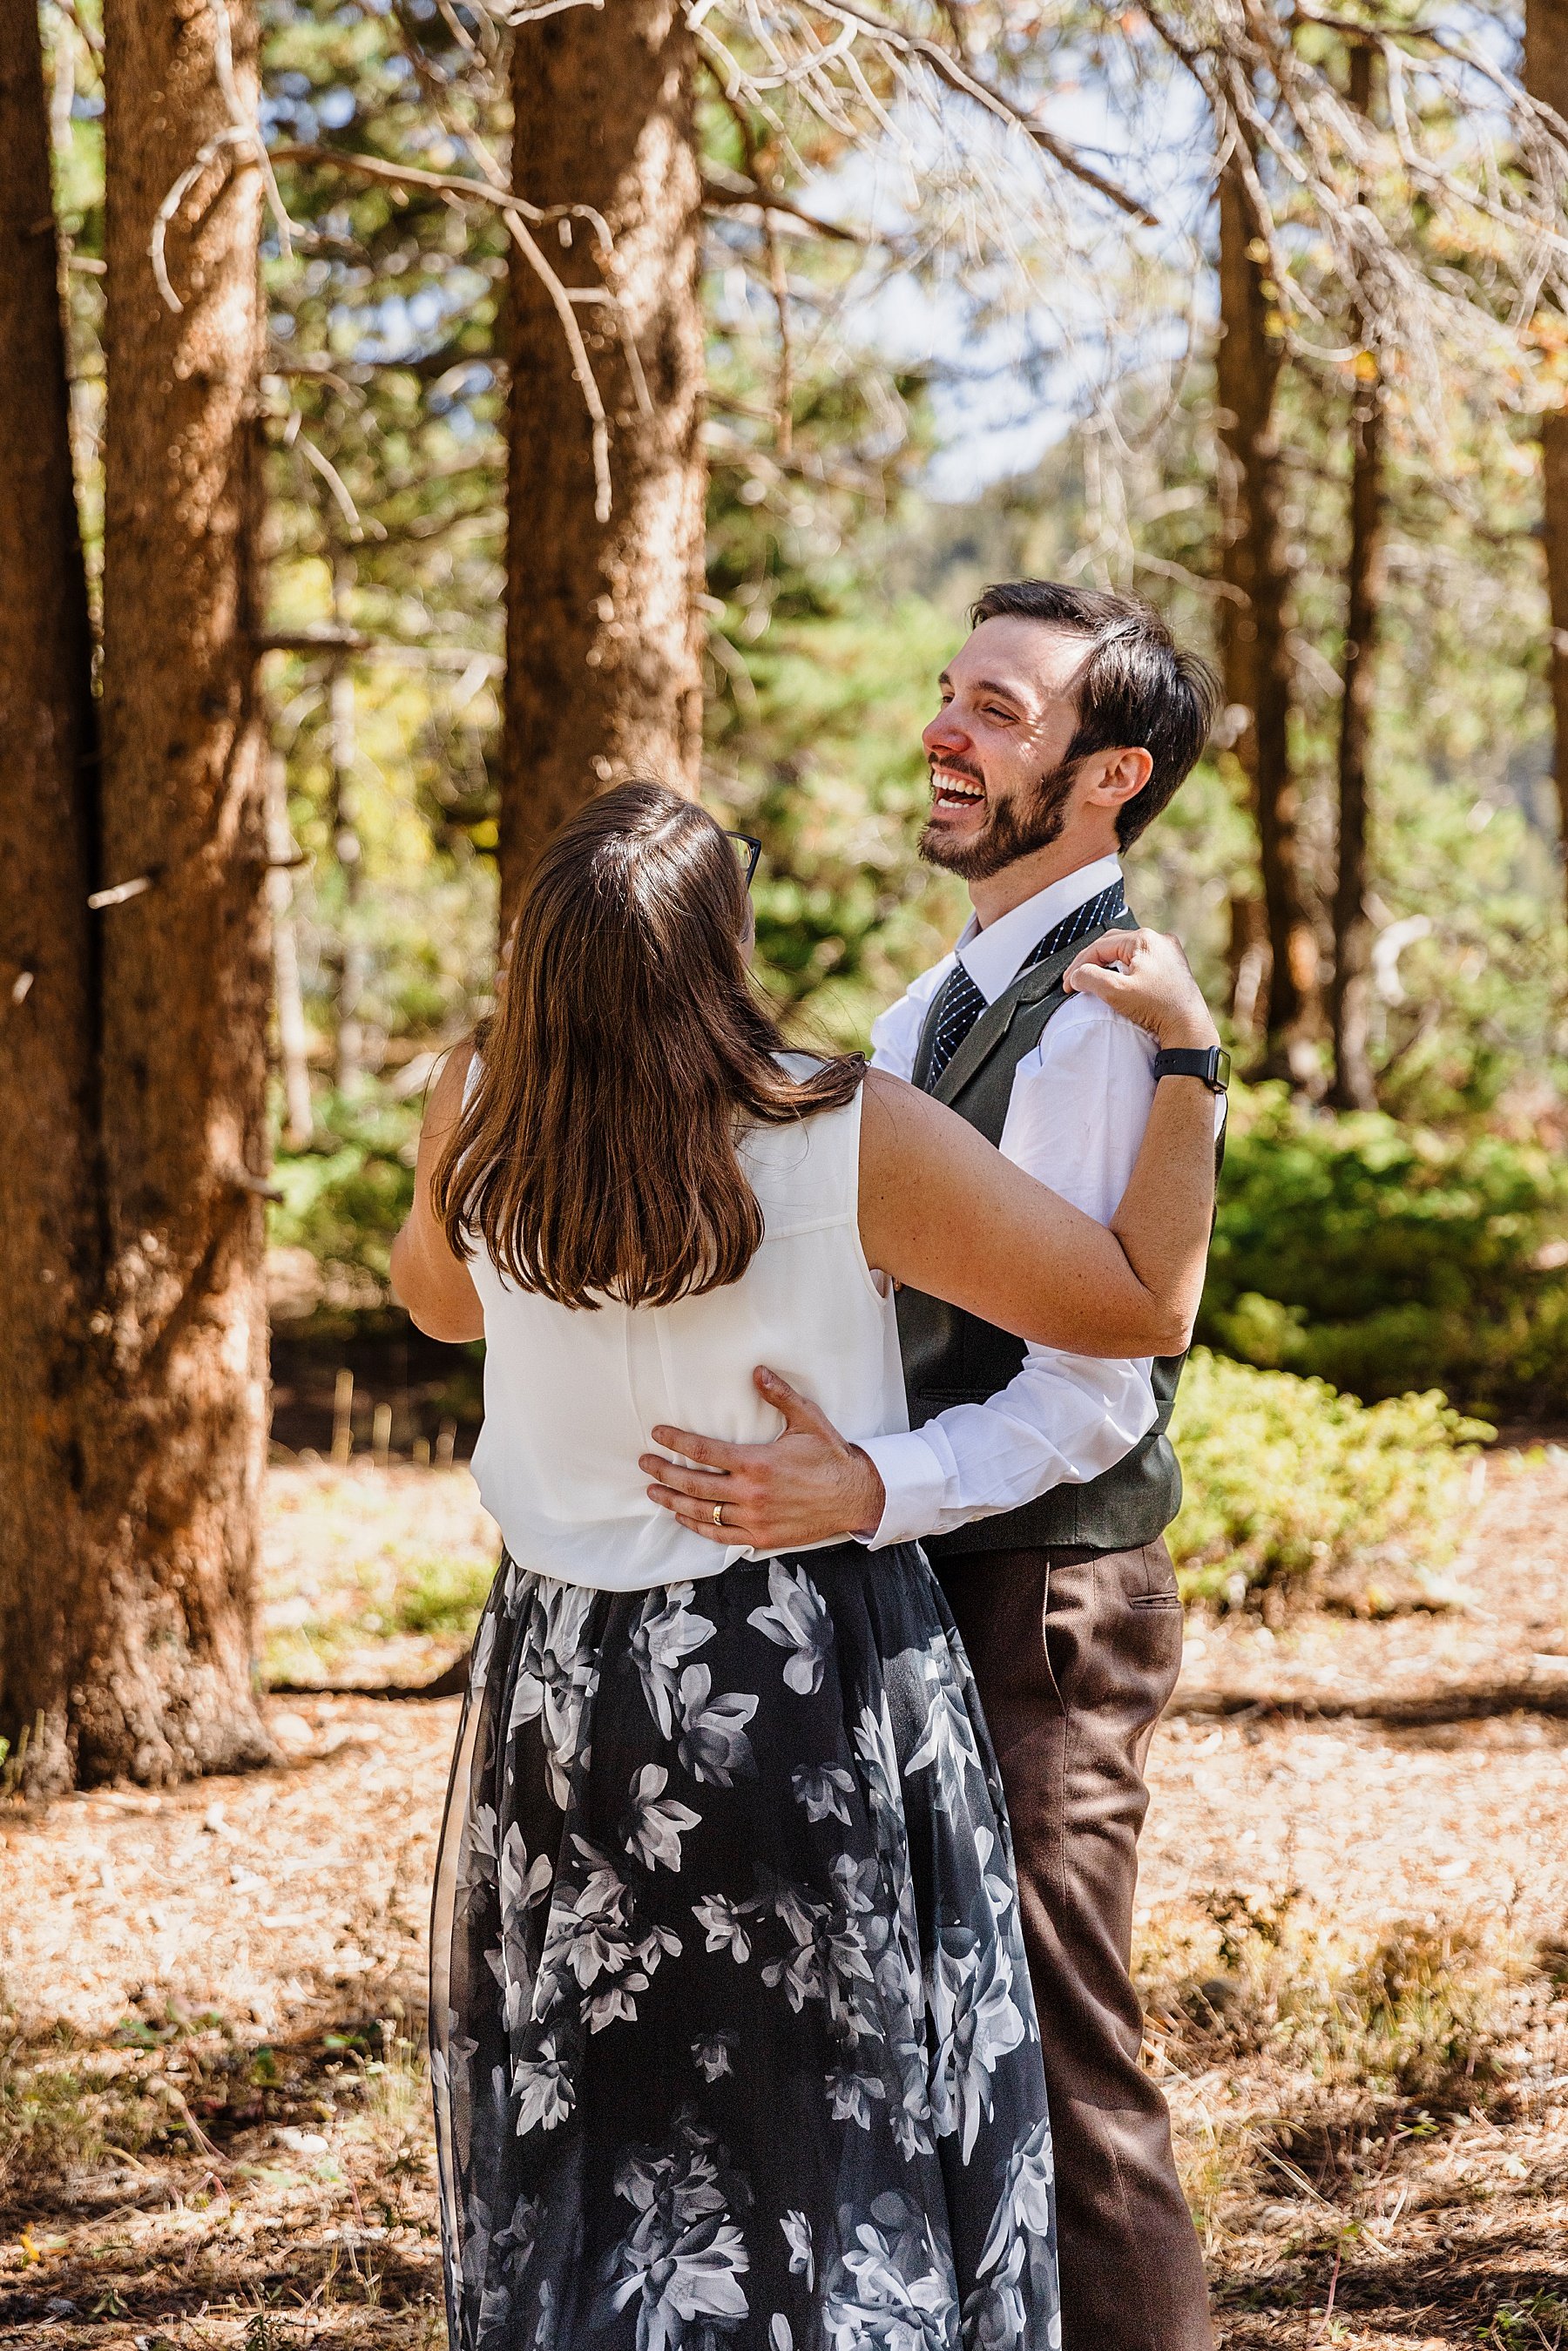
<point x="733" y="2043"/>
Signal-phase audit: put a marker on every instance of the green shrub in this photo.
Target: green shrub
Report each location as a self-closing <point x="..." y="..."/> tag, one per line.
<point x="1285" y="1479"/>
<point x="1384" y="1258"/>
<point x="345" y="1203"/>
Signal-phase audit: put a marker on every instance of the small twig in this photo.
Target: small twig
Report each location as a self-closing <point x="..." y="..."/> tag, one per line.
<point x="523" y="15"/>
<point x="224" y="59"/>
<point x="959" y="76"/>
<point x="730" y="191"/>
<point x="1333" y="2287"/>
<point x="242" y="129"/>
<point x="315" y="641"/>
<point x="243" y="1180"/>
<point x="90" y="33"/>
<point x="517" y="215"/>
<point x="121" y="893"/>
<point x="207" y="155"/>
<point x="338" y="487"/>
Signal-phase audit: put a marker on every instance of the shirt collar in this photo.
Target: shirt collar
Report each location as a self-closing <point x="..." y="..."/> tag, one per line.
<point x="994" y="957"/>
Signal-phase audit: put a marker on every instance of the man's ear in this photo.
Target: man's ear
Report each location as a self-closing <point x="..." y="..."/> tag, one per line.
<point x="1113" y="777"/>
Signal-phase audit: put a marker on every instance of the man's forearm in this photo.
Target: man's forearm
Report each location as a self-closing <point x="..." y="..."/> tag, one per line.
<point x="1063" y="1420"/>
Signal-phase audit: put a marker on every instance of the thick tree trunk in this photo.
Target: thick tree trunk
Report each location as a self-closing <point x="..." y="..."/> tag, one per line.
<point x="1257" y="621"/>
<point x="605" y="677"/>
<point x="1350" y="995"/>
<point x="1546" y="77"/>
<point x="49" y="1265"/>
<point x="178" y="1445"/>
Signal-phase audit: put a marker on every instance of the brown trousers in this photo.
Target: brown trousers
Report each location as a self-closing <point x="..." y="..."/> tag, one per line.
<point x="1074" y="1657"/>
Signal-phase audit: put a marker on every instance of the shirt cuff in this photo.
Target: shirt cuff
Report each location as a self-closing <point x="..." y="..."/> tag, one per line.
<point x="913" y="1483"/>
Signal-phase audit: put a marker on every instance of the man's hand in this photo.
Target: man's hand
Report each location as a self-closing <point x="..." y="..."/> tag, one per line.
<point x="807" y="1487"/>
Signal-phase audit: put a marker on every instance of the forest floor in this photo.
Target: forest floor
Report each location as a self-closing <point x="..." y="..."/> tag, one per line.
<point x="1354" y="1938"/>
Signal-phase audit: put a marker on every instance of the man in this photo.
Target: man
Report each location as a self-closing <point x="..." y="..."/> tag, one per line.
<point x="1044" y="1483"/>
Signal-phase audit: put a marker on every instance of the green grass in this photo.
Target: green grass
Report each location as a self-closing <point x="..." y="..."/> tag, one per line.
<point x="444" y="1596"/>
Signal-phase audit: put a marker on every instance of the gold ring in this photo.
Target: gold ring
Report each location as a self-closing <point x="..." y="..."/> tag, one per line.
<point x="718" y="1514"/>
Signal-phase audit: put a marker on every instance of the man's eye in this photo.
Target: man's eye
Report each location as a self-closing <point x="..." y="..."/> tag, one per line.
<point x="994" y="713"/>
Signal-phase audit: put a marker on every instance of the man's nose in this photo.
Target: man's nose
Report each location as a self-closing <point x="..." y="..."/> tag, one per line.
<point x="946" y="733"/>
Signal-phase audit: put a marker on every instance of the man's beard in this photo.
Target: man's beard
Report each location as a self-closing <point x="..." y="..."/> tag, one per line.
<point x="1010" y="831"/>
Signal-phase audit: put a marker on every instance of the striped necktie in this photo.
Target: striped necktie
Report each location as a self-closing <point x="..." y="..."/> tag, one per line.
<point x="960" y="1003"/>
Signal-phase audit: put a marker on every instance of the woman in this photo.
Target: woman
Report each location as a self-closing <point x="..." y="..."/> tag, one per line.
<point x="733" y="2040"/>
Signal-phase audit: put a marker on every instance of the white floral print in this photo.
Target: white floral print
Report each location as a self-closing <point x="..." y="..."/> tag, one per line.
<point x="824" y="1789"/>
<point x="975" y="2023"/>
<point x="684" y="2258"/>
<point x="667" y="1631"/>
<point x="797" y="2237"/>
<point x="714" y="2054"/>
<point x="730" y="1914"/>
<point x="892" y="2284"/>
<point x="713" y="1743"/>
<point x="796" y="1619"/>
<point x="658" y="1822"/>
<point x="556" y="1675"/>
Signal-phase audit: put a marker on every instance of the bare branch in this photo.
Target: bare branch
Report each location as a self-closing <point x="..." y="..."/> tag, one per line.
<point x="959" y="77"/>
<point x="730" y="190"/>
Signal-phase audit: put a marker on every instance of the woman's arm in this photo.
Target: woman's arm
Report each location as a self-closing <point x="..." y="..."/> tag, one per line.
<point x="943" y="1211"/>
<point x="436" y="1287"/>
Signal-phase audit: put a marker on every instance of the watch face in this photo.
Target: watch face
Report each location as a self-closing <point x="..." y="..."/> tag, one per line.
<point x="1222" y="1068"/>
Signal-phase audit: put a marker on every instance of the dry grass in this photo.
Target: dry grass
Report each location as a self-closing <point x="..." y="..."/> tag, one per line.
<point x="213" y="2122"/>
<point x="372" y="1574"/>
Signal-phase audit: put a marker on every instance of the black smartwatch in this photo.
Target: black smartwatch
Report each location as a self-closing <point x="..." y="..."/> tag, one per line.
<point x="1211" y="1063"/>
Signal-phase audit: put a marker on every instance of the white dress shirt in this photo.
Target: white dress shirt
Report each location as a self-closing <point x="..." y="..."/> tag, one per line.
<point x="1075" y="1121"/>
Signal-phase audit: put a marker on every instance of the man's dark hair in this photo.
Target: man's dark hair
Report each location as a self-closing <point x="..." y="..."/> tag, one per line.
<point x="1137" y="689"/>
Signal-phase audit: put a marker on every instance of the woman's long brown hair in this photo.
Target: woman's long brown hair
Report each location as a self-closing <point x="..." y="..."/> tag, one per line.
<point x="596" y="1154"/>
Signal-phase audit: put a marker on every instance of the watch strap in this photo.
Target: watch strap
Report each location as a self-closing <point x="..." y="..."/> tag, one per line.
<point x="1209" y="1062"/>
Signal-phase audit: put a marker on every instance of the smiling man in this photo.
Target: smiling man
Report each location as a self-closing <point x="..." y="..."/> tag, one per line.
<point x="1042" y="1483"/>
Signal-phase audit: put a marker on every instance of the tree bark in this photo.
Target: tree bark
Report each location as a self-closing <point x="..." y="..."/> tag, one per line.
<point x="49" y="1262"/>
<point x="179" y="1436"/>
<point x="1546" y="77"/>
<point x="604" y="676"/>
<point x="1256" y="623"/>
<point x="1350" y="993"/>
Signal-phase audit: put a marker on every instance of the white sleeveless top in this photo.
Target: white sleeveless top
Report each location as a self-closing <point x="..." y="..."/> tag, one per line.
<point x="571" y="1394"/>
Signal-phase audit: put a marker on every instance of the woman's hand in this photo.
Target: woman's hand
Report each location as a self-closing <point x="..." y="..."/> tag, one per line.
<point x="1144" y="974"/>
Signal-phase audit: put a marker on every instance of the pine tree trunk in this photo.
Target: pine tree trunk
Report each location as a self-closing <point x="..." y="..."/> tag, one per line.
<point x="178" y="1442"/>
<point x="1349" y="999"/>
<point x="604" y="676"/>
<point x="1257" y="621"/>
<point x="49" y="1267"/>
<point x="1546" y="77"/>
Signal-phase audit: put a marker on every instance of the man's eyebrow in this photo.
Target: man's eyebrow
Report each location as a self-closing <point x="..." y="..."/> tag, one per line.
<point x="989" y="685"/>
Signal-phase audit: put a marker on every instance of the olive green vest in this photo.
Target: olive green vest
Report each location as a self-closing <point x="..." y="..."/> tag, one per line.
<point x="950" y="1357"/>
